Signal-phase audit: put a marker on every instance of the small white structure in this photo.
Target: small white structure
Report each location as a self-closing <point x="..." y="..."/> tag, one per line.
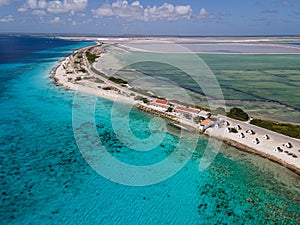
<point x="217" y="126"/>
<point x="288" y="145"/>
<point x="256" y="141"/>
<point x="238" y="127"/>
<point x="278" y="149"/>
<point x="226" y="123"/>
<point x="250" y="132"/>
<point x="228" y="130"/>
<point x="242" y="135"/>
<point x="266" y="137"/>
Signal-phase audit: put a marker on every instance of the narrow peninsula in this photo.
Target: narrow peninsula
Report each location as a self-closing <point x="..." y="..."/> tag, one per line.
<point x="77" y="72"/>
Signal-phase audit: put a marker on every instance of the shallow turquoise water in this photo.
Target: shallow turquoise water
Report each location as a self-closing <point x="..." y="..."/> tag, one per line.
<point x="45" y="179"/>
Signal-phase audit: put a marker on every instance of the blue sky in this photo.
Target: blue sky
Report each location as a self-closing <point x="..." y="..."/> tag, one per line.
<point x="152" y="17"/>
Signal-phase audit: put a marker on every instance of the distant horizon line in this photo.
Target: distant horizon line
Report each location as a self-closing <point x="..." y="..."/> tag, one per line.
<point x="137" y="35"/>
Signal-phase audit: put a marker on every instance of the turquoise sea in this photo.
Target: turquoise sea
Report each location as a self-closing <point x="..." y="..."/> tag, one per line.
<point x="45" y="179"/>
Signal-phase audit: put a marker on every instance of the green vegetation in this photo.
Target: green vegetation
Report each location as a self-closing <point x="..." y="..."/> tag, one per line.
<point x="91" y="57"/>
<point x="198" y="119"/>
<point x="213" y="119"/>
<point x="187" y="116"/>
<point x="233" y="130"/>
<point x="145" y="100"/>
<point x="83" y="70"/>
<point x="141" y="91"/>
<point x="98" y="72"/>
<point x="170" y="109"/>
<point x="141" y="98"/>
<point x="219" y="110"/>
<point x="202" y="108"/>
<point x="107" y="88"/>
<point x="97" y="80"/>
<point x="118" y="80"/>
<point x="111" y="88"/>
<point x="282" y="128"/>
<point x="237" y="113"/>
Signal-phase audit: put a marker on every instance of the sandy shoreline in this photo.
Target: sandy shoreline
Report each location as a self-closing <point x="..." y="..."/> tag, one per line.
<point x="269" y="45"/>
<point x="84" y="79"/>
<point x="247" y="149"/>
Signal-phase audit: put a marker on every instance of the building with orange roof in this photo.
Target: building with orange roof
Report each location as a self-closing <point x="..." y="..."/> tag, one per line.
<point x="160" y="104"/>
<point x="205" y="122"/>
<point x="186" y="111"/>
<point x="161" y="101"/>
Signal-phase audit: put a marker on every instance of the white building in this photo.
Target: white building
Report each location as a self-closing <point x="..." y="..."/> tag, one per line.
<point x="278" y="149"/>
<point x="250" y="132"/>
<point x="238" y="127"/>
<point x="256" y="141"/>
<point x="242" y="135"/>
<point x="288" y="145"/>
<point x="266" y="137"/>
<point x="182" y="110"/>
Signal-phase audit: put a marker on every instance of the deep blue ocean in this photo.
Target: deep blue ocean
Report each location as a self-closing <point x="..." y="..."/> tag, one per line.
<point x="45" y="178"/>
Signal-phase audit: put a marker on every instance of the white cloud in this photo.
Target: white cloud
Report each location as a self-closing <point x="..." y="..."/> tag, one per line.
<point x="6" y="2"/>
<point x="66" y="6"/>
<point x="120" y="8"/>
<point x="104" y="10"/>
<point x="55" y="6"/>
<point x="39" y="12"/>
<point x="55" y="20"/>
<point x="7" y="19"/>
<point x="81" y="14"/>
<point x="42" y="4"/>
<point x="136" y="11"/>
<point x="202" y="13"/>
<point x="136" y="3"/>
<point x="32" y="4"/>
<point x="22" y="9"/>
<point x="184" y="10"/>
<point x="165" y="11"/>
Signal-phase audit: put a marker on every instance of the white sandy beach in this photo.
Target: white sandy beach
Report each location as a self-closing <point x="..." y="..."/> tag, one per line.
<point x="266" y="148"/>
<point x="68" y="80"/>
